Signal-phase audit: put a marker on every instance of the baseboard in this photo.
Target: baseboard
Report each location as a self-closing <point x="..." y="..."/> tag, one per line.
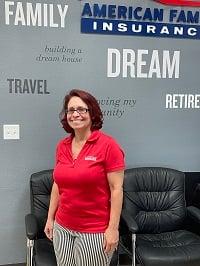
<point x="19" y="264"/>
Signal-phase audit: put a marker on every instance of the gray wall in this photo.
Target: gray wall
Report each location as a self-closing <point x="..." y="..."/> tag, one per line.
<point x="150" y="134"/>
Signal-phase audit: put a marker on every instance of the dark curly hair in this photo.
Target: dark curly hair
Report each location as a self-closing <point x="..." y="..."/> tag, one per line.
<point x="93" y="106"/>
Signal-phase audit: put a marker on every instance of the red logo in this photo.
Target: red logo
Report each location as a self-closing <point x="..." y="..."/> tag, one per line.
<point x="180" y="2"/>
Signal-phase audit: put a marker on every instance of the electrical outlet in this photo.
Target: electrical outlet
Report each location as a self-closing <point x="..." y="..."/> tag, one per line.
<point x="11" y="131"/>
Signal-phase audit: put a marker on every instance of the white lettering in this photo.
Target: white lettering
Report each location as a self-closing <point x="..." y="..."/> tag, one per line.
<point x="122" y="27"/>
<point x="63" y="14"/>
<point x="171" y="68"/>
<point x="168" y="101"/>
<point x="45" y="19"/>
<point x="113" y="54"/>
<point x="142" y="63"/>
<point x="107" y="26"/>
<point x="19" y="16"/>
<point x="34" y="18"/>
<point x="35" y="14"/>
<point x="8" y="13"/>
<point x="151" y="28"/>
<point x="192" y="31"/>
<point x="52" y="24"/>
<point x="164" y="30"/>
<point x="182" y="101"/>
<point x="154" y="65"/>
<point x="128" y="62"/>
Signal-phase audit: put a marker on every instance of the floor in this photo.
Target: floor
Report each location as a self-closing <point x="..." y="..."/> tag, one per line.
<point x="123" y="261"/>
<point x="19" y="264"/>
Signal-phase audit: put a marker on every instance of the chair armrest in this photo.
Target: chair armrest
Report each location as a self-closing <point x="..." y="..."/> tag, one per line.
<point x="31" y="226"/>
<point x="194" y="213"/>
<point x="130" y="222"/>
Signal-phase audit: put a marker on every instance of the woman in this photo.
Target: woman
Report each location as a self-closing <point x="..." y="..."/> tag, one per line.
<point x="86" y="197"/>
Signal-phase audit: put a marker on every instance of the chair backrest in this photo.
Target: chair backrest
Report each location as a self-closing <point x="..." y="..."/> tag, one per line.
<point x="196" y="196"/>
<point x="155" y="197"/>
<point x="40" y="190"/>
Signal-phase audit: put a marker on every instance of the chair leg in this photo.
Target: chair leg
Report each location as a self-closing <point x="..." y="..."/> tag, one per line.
<point x="115" y="258"/>
<point x="29" y="254"/>
<point x="133" y="246"/>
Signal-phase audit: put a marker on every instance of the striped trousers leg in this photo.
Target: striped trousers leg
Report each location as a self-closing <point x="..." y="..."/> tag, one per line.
<point x="79" y="249"/>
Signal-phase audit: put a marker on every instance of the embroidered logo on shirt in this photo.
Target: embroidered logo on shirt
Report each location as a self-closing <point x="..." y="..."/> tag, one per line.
<point x="90" y="158"/>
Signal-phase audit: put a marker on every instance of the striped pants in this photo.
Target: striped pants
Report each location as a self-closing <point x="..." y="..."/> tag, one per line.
<point x="79" y="249"/>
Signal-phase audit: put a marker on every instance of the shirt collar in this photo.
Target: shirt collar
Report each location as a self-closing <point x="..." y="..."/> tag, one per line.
<point x="93" y="137"/>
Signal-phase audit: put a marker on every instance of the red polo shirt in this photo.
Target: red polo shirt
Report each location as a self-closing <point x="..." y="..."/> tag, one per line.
<point x="84" y="204"/>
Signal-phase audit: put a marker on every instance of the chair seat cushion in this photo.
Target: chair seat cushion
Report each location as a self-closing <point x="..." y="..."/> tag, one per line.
<point x="178" y="248"/>
<point x="44" y="253"/>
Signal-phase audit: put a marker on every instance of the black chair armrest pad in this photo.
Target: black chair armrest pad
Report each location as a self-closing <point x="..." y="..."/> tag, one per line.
<point x="194" y="213"/>
<point x="31" y="226"/>
<point x="130" y="222"/>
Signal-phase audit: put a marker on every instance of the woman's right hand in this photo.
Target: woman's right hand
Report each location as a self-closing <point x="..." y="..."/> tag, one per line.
<point x="49" y="229"/>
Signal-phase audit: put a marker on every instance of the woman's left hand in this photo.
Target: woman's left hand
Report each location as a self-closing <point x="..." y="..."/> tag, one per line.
<point x="111" y="238"/>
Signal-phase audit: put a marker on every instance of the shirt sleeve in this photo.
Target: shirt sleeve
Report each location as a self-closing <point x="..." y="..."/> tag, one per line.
<point x="57" y="152"/>
<point x="114" y="159"/>
<point x="56" y="155"/>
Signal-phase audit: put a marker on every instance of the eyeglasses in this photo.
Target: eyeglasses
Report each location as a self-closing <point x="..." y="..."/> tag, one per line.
<point x="80" y="110"/>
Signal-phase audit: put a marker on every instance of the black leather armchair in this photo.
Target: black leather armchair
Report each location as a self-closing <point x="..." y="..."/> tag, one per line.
<point x="155" y="223"/>
<point x="40" y="250"/>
